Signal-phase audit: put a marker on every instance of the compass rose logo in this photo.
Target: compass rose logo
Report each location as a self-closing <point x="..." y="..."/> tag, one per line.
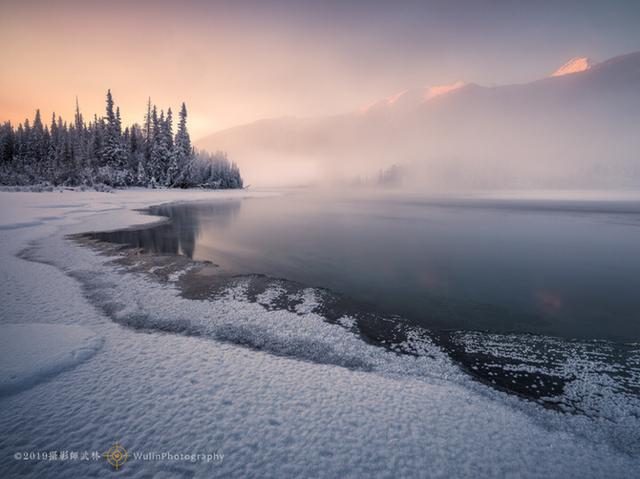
<point x="116" y="455"/>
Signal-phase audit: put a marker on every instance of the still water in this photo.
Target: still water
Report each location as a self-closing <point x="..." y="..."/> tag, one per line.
<point x="559" y="268"/>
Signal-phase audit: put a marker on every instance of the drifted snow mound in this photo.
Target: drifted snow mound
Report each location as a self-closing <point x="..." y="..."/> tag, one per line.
<point x="31" y="353"/>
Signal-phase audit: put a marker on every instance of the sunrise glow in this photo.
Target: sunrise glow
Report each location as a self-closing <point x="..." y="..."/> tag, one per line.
<point x="575" y="65"/>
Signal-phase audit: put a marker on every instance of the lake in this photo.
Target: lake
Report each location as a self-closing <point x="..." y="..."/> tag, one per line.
<point x="561" y="268"/>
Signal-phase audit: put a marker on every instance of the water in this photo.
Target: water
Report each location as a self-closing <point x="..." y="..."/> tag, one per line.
<point x="534" y="298"/>
<point x="560" y="268"/>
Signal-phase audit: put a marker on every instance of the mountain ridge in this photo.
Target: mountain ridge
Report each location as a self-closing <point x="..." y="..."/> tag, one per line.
<point x="596" y="109"/>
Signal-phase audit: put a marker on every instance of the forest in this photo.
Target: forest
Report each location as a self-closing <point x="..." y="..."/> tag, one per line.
<point x="102" y="152"/>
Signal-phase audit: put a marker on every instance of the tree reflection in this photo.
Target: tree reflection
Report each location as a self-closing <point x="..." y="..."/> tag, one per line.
<point x="179" y="234"/>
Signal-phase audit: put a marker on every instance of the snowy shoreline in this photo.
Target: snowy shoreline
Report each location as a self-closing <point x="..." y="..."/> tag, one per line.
<point x="270" y="415"/>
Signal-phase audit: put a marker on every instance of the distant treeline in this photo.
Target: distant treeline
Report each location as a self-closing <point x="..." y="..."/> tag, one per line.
<point x="101" y="152"/>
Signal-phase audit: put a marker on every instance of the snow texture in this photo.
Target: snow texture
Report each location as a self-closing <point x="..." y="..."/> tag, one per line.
<point x="30" y="353"/>
<point x="281" y="394"/>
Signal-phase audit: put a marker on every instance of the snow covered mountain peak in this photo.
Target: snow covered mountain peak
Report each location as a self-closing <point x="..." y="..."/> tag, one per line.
<point x="431" y="92"/>
<point x="414" y="97"/>
<point x="575" y="65"/>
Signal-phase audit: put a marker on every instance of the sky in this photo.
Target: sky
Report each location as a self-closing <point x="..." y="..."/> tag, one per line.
<point x="235" y="62"/>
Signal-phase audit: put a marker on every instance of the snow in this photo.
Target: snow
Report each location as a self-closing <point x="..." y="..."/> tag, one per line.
<point x="414" y="96"/>
<point x="575" y="65"/>
<point x="434" y="91"/>
<point x="30" y="353"/>
<point x="280" y="394"/>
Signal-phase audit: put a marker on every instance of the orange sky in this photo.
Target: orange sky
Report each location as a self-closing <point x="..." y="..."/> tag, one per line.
<point x="59" y="53"/>
<point x="234" y="62"/>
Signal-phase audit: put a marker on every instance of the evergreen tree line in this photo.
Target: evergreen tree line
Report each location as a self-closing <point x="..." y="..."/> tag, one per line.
<point x="101" y="152"/>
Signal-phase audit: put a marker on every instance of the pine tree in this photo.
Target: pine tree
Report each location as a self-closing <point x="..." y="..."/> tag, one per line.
<point x="148" y="132"/>
<point x="173" y="168"/>
<point x="78" y="141"/>
<point x="53" y="162"/>
<point x="182" y="151"/>
<point x="156" y="159"/>
<point x="7" y="143"/>
<point x="142" y="178"/>
<point x="101" y="152"/>
<point x="37" y="147"/>
<point x="113" y="153"/>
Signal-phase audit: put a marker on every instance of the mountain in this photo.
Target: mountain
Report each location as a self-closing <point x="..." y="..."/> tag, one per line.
<point x="578" y="128"/>
<point x="410" y="97"/>
<point x="575" y="65"/>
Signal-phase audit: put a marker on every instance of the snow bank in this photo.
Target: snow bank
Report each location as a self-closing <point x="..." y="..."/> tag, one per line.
<point x="31" y="353"/>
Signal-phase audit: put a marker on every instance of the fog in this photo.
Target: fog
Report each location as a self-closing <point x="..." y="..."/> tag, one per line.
<point x="574" y="131"/>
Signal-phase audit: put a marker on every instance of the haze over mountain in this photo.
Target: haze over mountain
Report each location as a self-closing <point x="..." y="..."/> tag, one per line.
<point x="577" y="128"/>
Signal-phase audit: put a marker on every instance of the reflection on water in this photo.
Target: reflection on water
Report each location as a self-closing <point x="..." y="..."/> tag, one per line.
<point x="178" y="235"/>
<point x="558" y="268"/>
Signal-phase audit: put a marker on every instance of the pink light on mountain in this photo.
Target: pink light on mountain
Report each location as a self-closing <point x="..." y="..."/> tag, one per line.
<point x="434" y="91"/>
<point x="575" y="65"/>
